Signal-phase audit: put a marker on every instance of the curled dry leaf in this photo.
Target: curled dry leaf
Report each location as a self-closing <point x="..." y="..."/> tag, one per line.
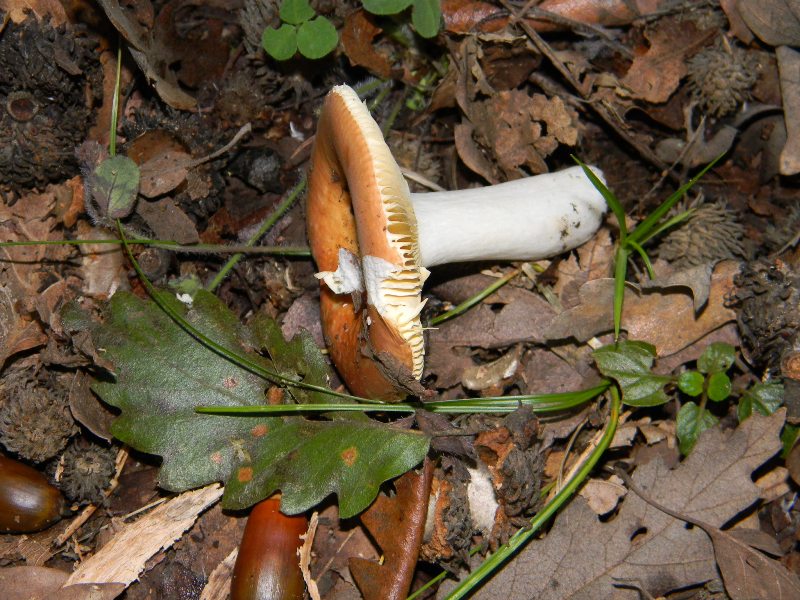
<point x="397" y="525"/>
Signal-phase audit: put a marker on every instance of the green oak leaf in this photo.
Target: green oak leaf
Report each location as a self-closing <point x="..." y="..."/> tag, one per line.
<point x="763" y="398"/>
<point x="691" y="383"/>
<point x="161" y="373"/>
<point x="426" y="15"/>
<point x="281" y="43"/>
<point x="295" y="12"/>
<point x="692" y="421"/>
<point x="716" y="358"/>
<point x="115" y="185"/>
<point x="317" y="38"/>
<point x="629" y="364"/>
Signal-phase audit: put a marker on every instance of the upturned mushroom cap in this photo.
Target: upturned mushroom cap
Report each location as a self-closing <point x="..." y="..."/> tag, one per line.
<point x="363" y="234"/>
<point x="359" y="214"/>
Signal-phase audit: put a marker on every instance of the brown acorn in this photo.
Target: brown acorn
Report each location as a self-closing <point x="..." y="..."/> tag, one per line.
<point x="267" y="567"/>
<point x="27" y="501"/>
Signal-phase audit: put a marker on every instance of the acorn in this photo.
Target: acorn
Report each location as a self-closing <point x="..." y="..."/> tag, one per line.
<point x="267" y="567"/>
<point x="27" y="501"/>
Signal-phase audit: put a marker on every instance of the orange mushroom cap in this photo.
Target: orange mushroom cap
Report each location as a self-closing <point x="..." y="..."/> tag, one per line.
<point x="359" y="210"/>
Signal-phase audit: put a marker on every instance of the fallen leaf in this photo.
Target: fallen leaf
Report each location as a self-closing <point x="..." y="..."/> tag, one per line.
<point x="358" y="34"/>
<point x="148" y="56"/>
<point x="656" y="74"/>
<point x="521" y="130"/>
<point x="746" y="572"/>
<point x="603" y="495"/>
<point x="789" y="67"/>
<point x="163" y="173"/>
<point x="168" y="221"/>
<point x="163" y="373"/>
<point x="666" y="320"/>
<point x="396" y="523"/>
<point x="87" y="409"/>
<point x="713" y="484"/>
<point x="27" y="583"/>
<point x="776" y="22"/>
<point x="696" y="278"/>
<point x="18" y="10"/>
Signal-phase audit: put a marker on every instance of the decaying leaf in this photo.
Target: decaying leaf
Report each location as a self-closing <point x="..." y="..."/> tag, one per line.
<point x="776" y="22"/>
<point x="522" y="130"/>
<point x="396" y="523"/>
<point x="666" y="319"/>
<point x="655" y="75"/>
<point x="357" y="40"/>
<point x="148" y="56"/>
<point x="162" y="374"/>
<point x="640" y="543"/>
<point x="747" y="573"/>
<point x="789" y="66"/>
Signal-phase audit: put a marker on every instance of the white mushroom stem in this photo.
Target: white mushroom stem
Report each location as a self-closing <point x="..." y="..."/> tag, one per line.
<point x="526" y="219"/>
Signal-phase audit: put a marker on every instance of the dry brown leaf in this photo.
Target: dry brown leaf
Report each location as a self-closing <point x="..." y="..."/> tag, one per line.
<point x="163" y="173"/>
<point x="776" y="22"/>
<point x="603" y="495"/>
<point x="88" y="409"/>
<point x="357" y="35"/>
<point x="397" y="525"/>
<point x="582" y="557"/>
<point x="747" y="573"/>
<point x="147" y="55"/>
<point x="466" y="16"/>
<point x="26" y="583"/>
<point x="666" y="320"/>
<point x="789" y="67"/>
<point x="655" y="75"/>
<point x="18" y="10"/>
<point x="521" y="130"/>
<point x="168" y="221"/>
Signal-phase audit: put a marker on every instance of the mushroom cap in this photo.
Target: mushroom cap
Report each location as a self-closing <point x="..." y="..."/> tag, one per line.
<point x="359" y="203"/>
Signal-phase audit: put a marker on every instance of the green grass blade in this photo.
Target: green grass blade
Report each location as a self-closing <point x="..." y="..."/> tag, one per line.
<point x="496" y="405"/>
<point x="679" y="218"/>
<point x="644" y="228"/>
<point x="470" y="302"/>
<point x="620" y="272"/>
<point x="645" y="258"/>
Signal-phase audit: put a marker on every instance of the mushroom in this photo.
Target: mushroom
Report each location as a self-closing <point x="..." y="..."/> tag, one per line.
<point x="373" y="241"/>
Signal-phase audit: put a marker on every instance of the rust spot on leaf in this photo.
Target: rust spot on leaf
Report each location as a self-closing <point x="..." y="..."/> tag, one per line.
<point x="216" y="458"/>
<point x="259" y="431"/>
<point x="244" y="474"/>
<point x="349" y="456"/>
<point x="230" y="383"/>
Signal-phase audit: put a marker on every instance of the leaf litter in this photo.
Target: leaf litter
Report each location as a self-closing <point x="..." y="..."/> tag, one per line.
<point x="582" y="557"/>
<point x="502" y="109"/>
